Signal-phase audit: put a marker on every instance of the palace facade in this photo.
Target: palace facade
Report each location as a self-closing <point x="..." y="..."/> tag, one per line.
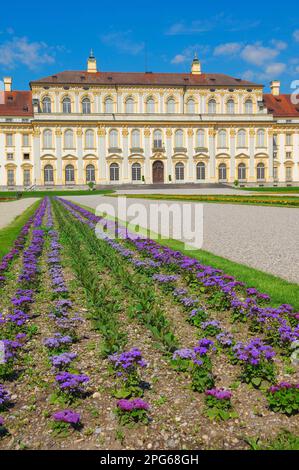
<point x="80" y="127"/>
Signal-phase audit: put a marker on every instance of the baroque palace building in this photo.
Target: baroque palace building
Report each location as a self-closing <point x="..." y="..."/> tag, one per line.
<point x="78" y="127"/>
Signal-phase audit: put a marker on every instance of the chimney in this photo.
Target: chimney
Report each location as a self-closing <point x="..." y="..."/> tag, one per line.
<point x="91" y="63"/>
<point x="195" y="67"/>
<point x="7" y="83"/>
<point x="275" y="87"/>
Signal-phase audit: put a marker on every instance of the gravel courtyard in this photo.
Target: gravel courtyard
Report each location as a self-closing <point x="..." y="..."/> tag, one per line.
<point x="265" y="238"/>
<point x="10" y="210"/>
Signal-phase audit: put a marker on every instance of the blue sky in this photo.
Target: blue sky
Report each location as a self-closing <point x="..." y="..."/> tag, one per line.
<point x="251" y="40"/>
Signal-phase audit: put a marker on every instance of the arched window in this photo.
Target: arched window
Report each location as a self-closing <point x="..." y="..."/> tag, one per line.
<point x="89" y="139"/>
<point x="261" y="138"/>
<point x="260" y="171"/>
<point x="113" y="138"/>
<point x="241" y="140"/>
<point x="179" y="171"/>
<point x="289" y="173"/>
<point x="179" y="138"/>
<point x="11" y="177"/>
<point x="46" y="105"/>
<point x="114" y="172"/>
<point x="200" y="138"/>
<point x="48" y="174"/>
<point x="136" y="138"/>
<point x="157" y="139"/>
<point x="170" y="105"/>
<point x="150" y="105"/>
<point x="222" y="172"/>
<point x="90" y="174"/>
<point x="212" y="107"/>
<point x="248" y="107"/>
<point x="108" y="105"/>
<point x="26" y="177"/>
<point x="222" y="140"/>
<point x="47" y="139"/>
<point x="69" y="174"/>
<point x="69" y="139"/>
<point x="136" y="172"/>
<point x="200" y="171"/>
<point x="191" y="106"/>
<point x="230" y="107"/>
<point x="86" y="109"/>
<point x="66" y="105"/>
<point x="129" y="105"/>
<point x="242" y="171"/>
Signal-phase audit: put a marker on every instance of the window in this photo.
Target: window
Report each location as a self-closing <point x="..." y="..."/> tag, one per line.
<point x="248" y="107"/>
<point x="150" y="105"/>
<point x="179" y="138"/>
<point x="288" y="155"/>
<point x="288" y="139"/>
<point x="158" y="139"/>
<point x="25" y="140"/>
<point x="275" y="141"/>
<point x="170" y="105"/>
<point x="242" y="171"/>
<point x="90" y="174"/>
<point x="222" y="143"/>
<point x="212" y="107"/>
<point x="129" y="105"/>
<point x="261" y="138"/>
<point x="48" y="174"/>
<point x="114" y="172"/>
<point x="190" y="106"/>
<point x="179" y="171"/>
<point x="108" y="105"/>
<point x="69" y="139"/>
<point x="260" y="171"/>
<point x="289" y="173"/>
<point x="86" y="108"/>
<point x="241" y="141"/>
<point x="89" y="139"/>
<point x="66" y="105"/>
<point x="222" y="172"/>
<point x="136" y="172"/>
<point x="10" y="177"/>
<point x="230" y="107"/>
<point x="9" y="156"/>
<point x="135" y="138"/>
<point x="274" y="155"/>
<point x="200" y="138"/>
<point x="26" y="178"/>
<point x="275" y="173"/>
<point x="26" y="156"/>
<point x="47" y="139"/>
<point x="113" y="138"/>
<point x="69" y="174"/>
<point x="200" y="171"/>
<point x="46" y="105"/>
<point x="9" y="140"/>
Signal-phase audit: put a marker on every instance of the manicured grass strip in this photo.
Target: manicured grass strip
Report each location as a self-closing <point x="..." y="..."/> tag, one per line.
<point x="274" y="189"/>
<point x="50" y="192"/>
<point x="9" y="234"/>
<point x="280" y="291"/>
<point x="273" y="201"/>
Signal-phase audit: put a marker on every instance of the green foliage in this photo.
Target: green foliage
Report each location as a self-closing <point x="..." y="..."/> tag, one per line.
<point x="284" y="401"/>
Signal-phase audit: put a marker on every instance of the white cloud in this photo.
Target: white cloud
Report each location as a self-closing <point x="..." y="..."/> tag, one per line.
<point x="221" y="22"/>
<point x="188" y="54"/>
<point x="121" y="41"/>
<point x="257" y="54"/>
<point x="179" y="59"/>
<point x="230" y="48"/>
<point x="20" y="51"/>
<point x="278" y="44"/>
<point x="275" y="69"/>
<point x="296" y="35"/>
<point x="270" y="72"/>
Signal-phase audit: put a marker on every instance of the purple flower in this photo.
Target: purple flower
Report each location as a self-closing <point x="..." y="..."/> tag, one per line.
<point x="4" y="396"/>
<point x="67" y="416"/>
<point x="219" y="393"/>
<point x="71" y="382"/>
<point x="62" y="360"/>
<point x="134" y="404"/>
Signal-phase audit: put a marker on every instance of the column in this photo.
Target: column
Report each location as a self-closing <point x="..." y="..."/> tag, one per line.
<point x="80" y="176"/>
<point x="36" y="156"/>
<point x="296" y="156"/>
<point x="102" y="155"/>
<point x="125" y="153"/>
<point x="18" y="159"/>
<point x="190" y="163"/>
<point x="281" y="156"/>
<point x="252" y="176"/>
<point x="147" y="155"/>
<point x="232" y="153"/>
<point x="270" y="152"/>
<point x="212" y="153"/>
<point x="58" y="135"/>
<point x="169" y="153"/>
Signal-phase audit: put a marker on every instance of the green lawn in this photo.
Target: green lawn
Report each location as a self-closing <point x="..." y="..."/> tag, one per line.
<point x="273" y="201"/>
<point x="9" y="234"/>
<point x="280" y="291"/>
<point x="50" y="192"/>
<point x="274" y="189"/>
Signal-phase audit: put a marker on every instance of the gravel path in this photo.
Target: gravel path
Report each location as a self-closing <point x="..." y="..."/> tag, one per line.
<point x="10" y="210"/>
<point x="265" y="238"/>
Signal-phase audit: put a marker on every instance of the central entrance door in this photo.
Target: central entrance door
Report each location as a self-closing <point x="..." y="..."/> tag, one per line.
<point x="158" y="172"/>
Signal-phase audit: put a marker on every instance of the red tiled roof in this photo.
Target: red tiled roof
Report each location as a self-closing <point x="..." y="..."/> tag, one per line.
<point x="136" y="78"/>
<point x="281" y="106"/>
<point x="16" y="103"/>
